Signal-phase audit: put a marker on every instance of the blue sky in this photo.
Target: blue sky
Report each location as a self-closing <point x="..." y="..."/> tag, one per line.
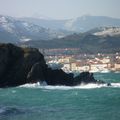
<point x="60" y="9"/>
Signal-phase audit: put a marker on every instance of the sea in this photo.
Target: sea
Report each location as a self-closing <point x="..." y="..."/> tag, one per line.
<point x="85" y="102"/>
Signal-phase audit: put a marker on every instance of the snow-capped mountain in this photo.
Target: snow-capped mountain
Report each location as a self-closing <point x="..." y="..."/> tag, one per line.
<point x="26" y="29"/>
<point x="15" y="30"/>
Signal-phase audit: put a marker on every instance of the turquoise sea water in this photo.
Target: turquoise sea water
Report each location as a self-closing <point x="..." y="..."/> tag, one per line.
<point x="90" y="102"/>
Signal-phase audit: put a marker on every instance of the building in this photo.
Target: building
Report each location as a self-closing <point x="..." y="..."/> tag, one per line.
<point x="117" y="66"/>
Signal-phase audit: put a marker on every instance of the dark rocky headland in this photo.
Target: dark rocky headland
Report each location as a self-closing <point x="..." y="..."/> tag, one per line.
<point x="27" y="65"/>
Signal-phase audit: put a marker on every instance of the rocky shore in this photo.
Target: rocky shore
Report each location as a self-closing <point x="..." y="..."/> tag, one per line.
<point x="19" y="66"/>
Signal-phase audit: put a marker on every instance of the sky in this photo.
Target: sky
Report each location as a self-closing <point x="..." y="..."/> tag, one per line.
<point x="60" y="9"/>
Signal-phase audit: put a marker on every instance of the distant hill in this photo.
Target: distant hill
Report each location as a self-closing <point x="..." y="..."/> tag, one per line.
<point x="15" y="30"/>
<point x="89" y="33"/>
<point x="104" y="31"/>
<point x="87" y="42"/>
<point x="80" y="24"/>
<point x="47" y="23"/>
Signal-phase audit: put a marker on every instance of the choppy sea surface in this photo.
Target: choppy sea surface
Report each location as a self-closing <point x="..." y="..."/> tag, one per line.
<point x="85" y="102"/>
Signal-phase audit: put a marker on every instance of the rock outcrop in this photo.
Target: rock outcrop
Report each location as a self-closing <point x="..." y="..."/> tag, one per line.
<point x="16" y="63"/>
<point x="85" y="78"/>
<point x="27" y="65"/>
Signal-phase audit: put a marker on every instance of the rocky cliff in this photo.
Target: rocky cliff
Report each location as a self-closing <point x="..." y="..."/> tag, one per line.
<point x="27" y="65"/>
<point x="16" y="63"/>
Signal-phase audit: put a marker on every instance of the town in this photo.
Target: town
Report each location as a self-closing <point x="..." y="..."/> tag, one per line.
<point x="70" y="60"/>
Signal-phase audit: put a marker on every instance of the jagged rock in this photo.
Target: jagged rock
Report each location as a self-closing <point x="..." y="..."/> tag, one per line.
<point x="58" y="77"/>
<point x="27" y="65"/>
<point x="16" y="63"/>
<point x="36" y="73"/>
<point x="85" y="77"/>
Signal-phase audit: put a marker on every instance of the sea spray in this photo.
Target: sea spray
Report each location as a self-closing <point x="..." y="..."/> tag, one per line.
<point x="82" y="86"/>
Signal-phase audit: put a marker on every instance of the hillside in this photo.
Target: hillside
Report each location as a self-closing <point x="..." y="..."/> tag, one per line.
<point x="15" y="30"/>
<point x="79" y="24"/>
<point x="104" y="31"/>
<point x="30" y="33"/>
<point x="87" y="42"/>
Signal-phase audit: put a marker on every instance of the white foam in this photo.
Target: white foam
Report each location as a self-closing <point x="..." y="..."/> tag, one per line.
<point x="31" y="85"/>
<point x="90" y="86"/>
<point x="83" y="86"/>
<point x="115" y="85"/>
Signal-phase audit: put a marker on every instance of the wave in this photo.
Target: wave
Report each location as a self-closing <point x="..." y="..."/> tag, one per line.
<point x="82" y="86"/>
<point x="115" y="85"/>
<point x="6" y="111"/>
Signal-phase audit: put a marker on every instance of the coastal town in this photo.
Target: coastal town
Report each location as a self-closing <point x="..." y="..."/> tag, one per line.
<point x="70" y="60"/>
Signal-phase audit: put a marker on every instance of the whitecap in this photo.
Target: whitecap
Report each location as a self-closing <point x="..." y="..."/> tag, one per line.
<point x="60" y="87"/>
<point x="31" y="85"/>
<point x="50" y="87"/>
<point x="115" y="85"/>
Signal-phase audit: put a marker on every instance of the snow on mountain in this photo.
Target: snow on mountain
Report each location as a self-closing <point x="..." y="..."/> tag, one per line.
<point x="24" y="29"/>
<point x="104" y="31"/>
<point x="14" y="29"/>
<point x="6" y="23"/>
<point x="3" y="19"/>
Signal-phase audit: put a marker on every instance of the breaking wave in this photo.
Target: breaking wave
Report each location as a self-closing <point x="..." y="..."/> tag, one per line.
<point x="83" y="86"/>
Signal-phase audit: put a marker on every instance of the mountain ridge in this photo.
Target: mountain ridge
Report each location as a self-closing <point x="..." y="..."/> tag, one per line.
<point x="87" y="43"/>
<point x="79" y="24"/>
<point x="15" y="30"/>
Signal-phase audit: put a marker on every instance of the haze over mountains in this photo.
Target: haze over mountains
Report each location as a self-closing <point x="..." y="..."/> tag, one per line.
<point x="80" y="24"/>
<point x="90" y="33"/>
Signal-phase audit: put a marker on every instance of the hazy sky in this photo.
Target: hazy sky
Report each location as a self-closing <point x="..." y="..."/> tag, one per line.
<point x="60" y="9"/>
